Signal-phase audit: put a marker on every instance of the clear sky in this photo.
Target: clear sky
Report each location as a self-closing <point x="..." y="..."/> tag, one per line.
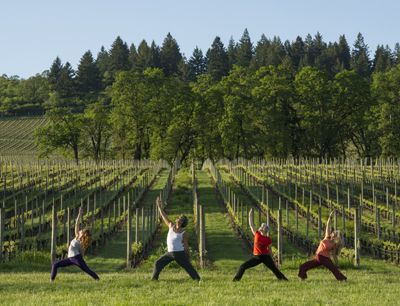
<point x="34" y="32"/>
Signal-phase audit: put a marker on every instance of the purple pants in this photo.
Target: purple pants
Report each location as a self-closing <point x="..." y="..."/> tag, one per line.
<point x="320" y="261"/>
<point x="77" y="261"/>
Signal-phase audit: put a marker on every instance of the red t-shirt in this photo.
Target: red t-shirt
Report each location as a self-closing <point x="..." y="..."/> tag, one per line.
<point x="261" y="244"/>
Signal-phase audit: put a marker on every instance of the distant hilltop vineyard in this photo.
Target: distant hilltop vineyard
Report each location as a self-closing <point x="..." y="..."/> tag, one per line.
<point x="17" y="135"/>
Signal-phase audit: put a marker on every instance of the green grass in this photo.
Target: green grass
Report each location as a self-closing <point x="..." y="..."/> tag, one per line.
<point x="25" y="281"/>
<point x="373" y="284"/>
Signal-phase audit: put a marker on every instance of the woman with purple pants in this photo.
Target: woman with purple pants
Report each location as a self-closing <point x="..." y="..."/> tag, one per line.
<point x="76" y="248"/>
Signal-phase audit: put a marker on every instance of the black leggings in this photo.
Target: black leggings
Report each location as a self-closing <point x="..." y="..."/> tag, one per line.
<point x="180" y="258"/>
<point x="255" y="261"/>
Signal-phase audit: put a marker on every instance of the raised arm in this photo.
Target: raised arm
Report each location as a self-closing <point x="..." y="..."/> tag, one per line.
<point x="162" y="213"/>
<point x="251" y="223"/>
<point x="328" y="226"/>
<point x="78" y="221"/>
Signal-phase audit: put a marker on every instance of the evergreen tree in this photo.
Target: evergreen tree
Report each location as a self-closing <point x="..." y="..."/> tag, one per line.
<point x="144" y="56"/>
<point x="232" y="53"/>
<point x="276" y="52"/>
<point x="343" y="53"/>
<point x="261" y="53"/>
<point x="102" y="62"/>
<point x="88" y="75"/>
<point x="54" y="73"/>
<point x="360" y="61"/>
<point x="197" y="64"/>
<point x="244" y="52"/>
<point x="155" y="55"/>
<point x="119" y="56"/>
<point x="383" y="59"/>
<point x="217" y="60"/>
<point x="170" y="56"/>
<point x="133" y="56"/>
<point x="296" y="51"/>
<point x="396" y="54"/>
<point x="66" y="85"/>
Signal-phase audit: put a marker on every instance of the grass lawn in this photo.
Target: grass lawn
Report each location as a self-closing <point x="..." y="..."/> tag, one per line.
<point x="26" y="280"/>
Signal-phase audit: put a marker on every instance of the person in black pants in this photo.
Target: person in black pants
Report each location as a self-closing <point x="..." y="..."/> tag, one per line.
<point x="178" y="248"/>
<point x="261" y="252"/>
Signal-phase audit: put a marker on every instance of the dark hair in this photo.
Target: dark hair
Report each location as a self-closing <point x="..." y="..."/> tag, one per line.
<point x="184" y="220"/>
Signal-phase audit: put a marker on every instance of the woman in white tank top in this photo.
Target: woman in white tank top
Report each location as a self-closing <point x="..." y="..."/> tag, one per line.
<point x="177" y="244"/>
<point x="76" y="249"/>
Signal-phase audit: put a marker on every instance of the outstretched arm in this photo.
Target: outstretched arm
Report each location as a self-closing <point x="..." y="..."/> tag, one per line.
<point x="162" y="213"/>
<point x="251" y="223"/>
<point x="328" y="226"/>
<point x="78" y="221"/>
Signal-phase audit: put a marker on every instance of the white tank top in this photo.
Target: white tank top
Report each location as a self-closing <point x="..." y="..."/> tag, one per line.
<point x="74" y="248"/>
<point x="174" y="240"/>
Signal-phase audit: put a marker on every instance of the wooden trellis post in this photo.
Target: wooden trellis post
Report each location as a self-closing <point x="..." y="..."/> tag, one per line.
<point x="356" y="238"/>
<point x="280" y="242"/>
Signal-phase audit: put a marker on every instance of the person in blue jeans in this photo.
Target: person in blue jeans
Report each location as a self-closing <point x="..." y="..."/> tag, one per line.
<point x="76" y="249"/>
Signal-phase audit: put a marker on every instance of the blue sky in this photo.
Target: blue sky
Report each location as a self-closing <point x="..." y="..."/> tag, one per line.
<point x="33" y="33"/>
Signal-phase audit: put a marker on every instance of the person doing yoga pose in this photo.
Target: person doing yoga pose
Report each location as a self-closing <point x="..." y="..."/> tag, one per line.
<point x="76" y="249"/>
<point x="177" y="243"/>
<point x="329" y="246"/>
<point x="261" y="251"/>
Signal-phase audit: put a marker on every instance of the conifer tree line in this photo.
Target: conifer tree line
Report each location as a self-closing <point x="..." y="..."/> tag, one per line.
<point x="300" y="98"/>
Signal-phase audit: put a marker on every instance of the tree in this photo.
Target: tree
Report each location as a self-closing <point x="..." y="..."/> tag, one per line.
<point x="386" y="92"/>
<point x="239" y="133"/>
<point x="360" y="61"/>
<point x="244" y="50"/>
<point x="383" y="59"/>
<point x="296" y="51"/>
<point x="132" y="56"/>
<point x="232" y="52"/>
<point x="54" y="73"/>
<point x="275" y="94"/>
<point x="351" y="104"/>
<point x="88" y="76"/>
<point x="319" y="135"/>
<point x="396" y="54"/>
<point x="261" y="53"/>
<point x="343" y="54"/>
<point x="170" y="55"/>
<point x="96" y="131"/>
<point x="103" y="63"/>
<point x="118" y="57"/>
<point x="66" y="85"/>
<point x="217" y="60"/>
<point x="129" y="119"/>
<point x="144" y="57"/>
<point x="197" y="64"/>
<point x="62" y="133"/>
<point x="207" y="114"/>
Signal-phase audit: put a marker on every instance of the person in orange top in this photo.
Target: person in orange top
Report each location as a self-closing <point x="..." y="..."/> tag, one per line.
<point x="330" y="245"/>
<point x="261" y="251"/>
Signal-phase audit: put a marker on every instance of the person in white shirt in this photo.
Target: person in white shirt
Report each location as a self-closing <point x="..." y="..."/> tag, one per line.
<point x="177" y="243"/>
<point x="77" y="247"/>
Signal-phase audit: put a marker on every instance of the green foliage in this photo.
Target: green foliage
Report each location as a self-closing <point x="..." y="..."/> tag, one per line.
<point x="62" y="133"/>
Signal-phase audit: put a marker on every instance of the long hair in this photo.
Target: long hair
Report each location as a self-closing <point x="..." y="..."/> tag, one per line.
<point x="85" y="240"/>
<point x="339" y="244"/>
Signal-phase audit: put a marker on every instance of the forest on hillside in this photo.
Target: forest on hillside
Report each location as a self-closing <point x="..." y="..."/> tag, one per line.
<point x="301" y="98"/>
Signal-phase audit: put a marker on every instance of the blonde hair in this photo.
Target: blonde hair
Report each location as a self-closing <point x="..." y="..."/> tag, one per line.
<point x="339" y="244"/>
<point x="86" y="239"/>
<point x="264" y="227"/>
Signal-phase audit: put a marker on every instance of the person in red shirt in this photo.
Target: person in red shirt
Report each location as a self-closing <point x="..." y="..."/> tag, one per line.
<point x="329" y="246"/>
<point x="261" y="251"/>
